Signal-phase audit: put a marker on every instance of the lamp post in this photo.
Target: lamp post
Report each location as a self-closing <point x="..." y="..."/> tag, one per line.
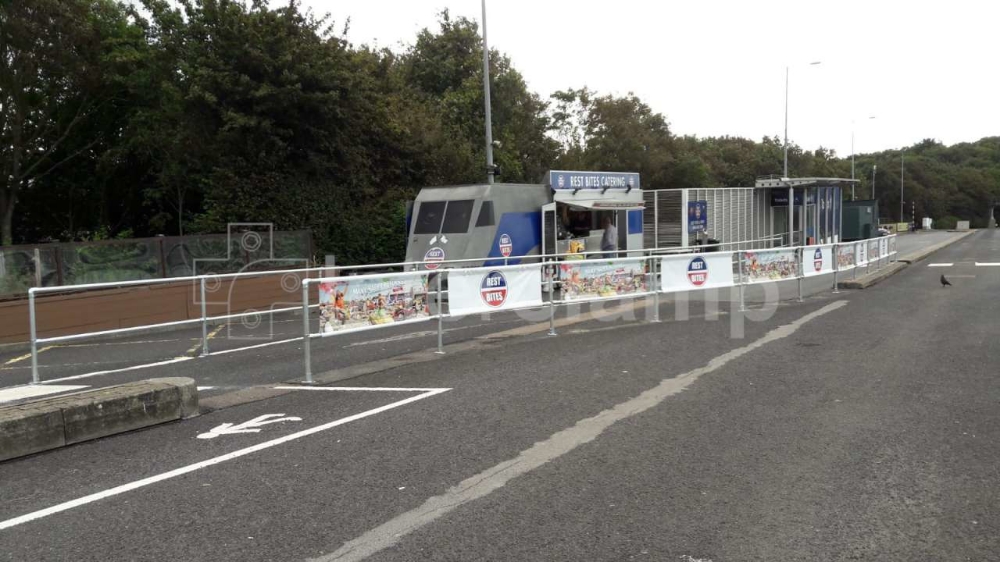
<point x="874" y="169"/>
<point x="786" y="114"/>
<point x="902" y="172"/>
<point x="870" y="117"/>
<point x="490" y="169"/>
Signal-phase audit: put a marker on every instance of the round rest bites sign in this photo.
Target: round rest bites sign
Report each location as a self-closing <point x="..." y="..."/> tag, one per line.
<point x="493" y="289"/>
<point x="506" y="245"/>
<point x="818" y="260"/>
<point x="433" y="258"/>
<point x="697" y="272"/>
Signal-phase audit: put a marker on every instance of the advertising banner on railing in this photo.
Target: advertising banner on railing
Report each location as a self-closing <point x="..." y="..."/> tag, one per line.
<point x="370" y="300"/>
<point x="488" y="289"/>
<point x="845" y="257"/>
<point x="873" y="254"/>
<point x="696" y="271"/>
<point x="862" y="253"/>
<point x="892" y="246"/>
<point x="770" y="265"/>
<point x="883" y="247"/>
<point x="817" y="260"/>
<point x="602" y="278"/>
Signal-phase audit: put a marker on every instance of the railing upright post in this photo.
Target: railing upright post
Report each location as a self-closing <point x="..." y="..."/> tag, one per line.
<point x="204" y="320"/>
<point x="799" y="254"/>
<point x="739" y="264"/>
<point x="552" y="304"/>
<point x="34" y="337"/>
<point x="440" y="315"/>
<point x="307" y="352"/>
<point x="655" y="286"/>
<point x="836" y="268"/>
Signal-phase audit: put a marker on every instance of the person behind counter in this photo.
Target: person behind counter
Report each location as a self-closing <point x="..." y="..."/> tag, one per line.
<point x="609" y="242"/>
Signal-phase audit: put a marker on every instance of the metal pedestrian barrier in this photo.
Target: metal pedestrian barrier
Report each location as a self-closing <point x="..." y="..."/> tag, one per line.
<point x="369" y="297"/>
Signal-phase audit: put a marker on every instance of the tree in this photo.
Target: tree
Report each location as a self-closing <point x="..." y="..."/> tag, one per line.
<point x="57" y="59"/>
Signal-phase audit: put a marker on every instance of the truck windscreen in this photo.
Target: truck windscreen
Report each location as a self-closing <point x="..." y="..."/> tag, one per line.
<point x="457" y="217"/>
<point x="429" y="217"/>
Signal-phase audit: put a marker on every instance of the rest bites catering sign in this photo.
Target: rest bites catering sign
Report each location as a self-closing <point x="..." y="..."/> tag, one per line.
<point x="488" y="289"/>
<point x="692" y="272"/>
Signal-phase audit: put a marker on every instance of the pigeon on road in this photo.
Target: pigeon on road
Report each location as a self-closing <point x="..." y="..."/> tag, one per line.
<point x="945" y="282"/>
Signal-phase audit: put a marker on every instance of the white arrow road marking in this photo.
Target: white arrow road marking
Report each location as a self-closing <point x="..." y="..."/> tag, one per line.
<point x="35" y="515"/>
<point x="252" y="426"/>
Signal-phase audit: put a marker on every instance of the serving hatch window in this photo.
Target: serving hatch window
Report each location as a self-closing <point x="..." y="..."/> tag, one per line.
<point x="457" y="217"/>
<point x="429" y="217"/>
<point x="485" y="214"/>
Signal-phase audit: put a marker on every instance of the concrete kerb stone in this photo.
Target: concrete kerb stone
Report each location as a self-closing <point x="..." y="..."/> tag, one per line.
<point x="49" y="423"/>
<point x="876" y="277"/>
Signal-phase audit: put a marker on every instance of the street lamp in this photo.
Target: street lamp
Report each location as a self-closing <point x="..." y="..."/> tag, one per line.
<point x="874" y="169"/>
<point x="490" y="169"/>
<point x="870" y="117"/>
<point x="786" y="114"/>
<point x="902" y="172"/>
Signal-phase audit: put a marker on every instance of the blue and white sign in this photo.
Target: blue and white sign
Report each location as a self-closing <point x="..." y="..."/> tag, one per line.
<point x="433" y="258"/>
<point x="779" y="197"/>
<point x="691" y="273"/>
<point x="593" y="180"/>
<point x="506" y="245"/>
<point x="697" y="216"/>
<point x="817" y="260"/>
<point x="493" y="289"/>
<point x="698" y="271"/>
<point x="489" y="289"/>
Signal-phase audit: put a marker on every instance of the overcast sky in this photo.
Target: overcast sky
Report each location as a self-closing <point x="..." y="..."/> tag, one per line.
<point x="924" y="68"/>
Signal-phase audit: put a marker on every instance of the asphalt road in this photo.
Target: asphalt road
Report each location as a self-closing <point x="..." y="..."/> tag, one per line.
<point x="857" y="426"/>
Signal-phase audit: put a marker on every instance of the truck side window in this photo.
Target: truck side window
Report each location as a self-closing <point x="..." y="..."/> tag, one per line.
<point x="457" y="217"/>
<point x="485" y="214"/>
<point x="429" y="217"/>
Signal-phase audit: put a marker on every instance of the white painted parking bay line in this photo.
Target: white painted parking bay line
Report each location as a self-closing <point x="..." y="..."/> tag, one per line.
<point x="34" y="390"/>
<point x="362" y="388"/>
<point x="940" y="265"/>
<point x="203" y="464"/>
<point x="987" y="264"/>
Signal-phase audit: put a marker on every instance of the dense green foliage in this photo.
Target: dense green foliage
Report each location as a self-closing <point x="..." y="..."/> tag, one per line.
<point x="185" y="115"/>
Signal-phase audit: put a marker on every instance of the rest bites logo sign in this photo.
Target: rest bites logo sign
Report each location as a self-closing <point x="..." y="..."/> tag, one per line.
<point x="697" y="272"/>
<point x="493" y="289"/>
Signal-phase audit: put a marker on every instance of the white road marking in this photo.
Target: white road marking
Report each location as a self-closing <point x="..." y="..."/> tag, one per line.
<point x="255" y="346"/>
<point x="33" y="390"/>
<point x="252" y="426"/>
<point x="940" y="264"/>
<point x="210" y="462"/>
<point x="361" y="388"/>
<point x="201" y="388"/>
<point x="987" y="264"/>
<point x="122" y="370"/>
<point x="558" y="444"/>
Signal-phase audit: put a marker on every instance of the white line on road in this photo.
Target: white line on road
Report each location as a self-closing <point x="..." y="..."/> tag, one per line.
<point x="557" y="445"/>
<point x="33" y="390"/>
<point x="361" y="388"/>
<point x="210" y="462"/>
<point x="987" y="264"/>
<point x="940" y="265"/>
<point x="122" y="370"/>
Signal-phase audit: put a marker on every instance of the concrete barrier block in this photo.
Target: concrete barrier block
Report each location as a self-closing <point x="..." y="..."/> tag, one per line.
<point x="49" y="423"/>
<point x="29" y="430"/>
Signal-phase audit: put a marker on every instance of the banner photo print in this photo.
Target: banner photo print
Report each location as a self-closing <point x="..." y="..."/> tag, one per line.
<point x="817" y="260"/>
<point x="488" y="289"/>
<point x="349" y="302"/>
<point x="696" y="271"/>
<point x="873" y="254"/>
<point x="845" y="257"/>
<point x="598" y="279"/>
<point x="770" y="265"/>
<point x="892" y="246"/>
